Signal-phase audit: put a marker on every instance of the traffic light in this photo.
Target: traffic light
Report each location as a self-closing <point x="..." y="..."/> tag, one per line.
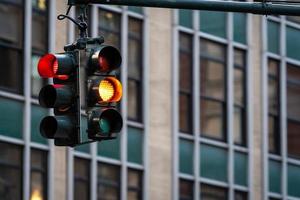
<point x="104" y="91"/>
<point x="63" y="96"/>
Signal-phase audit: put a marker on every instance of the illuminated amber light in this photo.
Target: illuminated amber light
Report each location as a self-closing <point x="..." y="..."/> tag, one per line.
<point x="36" y="195"/>
<point x="110" y="90"/>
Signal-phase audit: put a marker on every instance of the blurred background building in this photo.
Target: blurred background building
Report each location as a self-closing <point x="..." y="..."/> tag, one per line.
<point x="211" y="106"/>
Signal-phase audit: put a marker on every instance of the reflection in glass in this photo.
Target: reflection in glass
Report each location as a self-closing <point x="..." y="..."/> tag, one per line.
<point x="134" y="185"/>
<point x="239" y="90"/>
<point x="185" y="110"/>
<point x="213" y="193"/>
<point x="81" y="179"/>
<point x="212" y="114"/>
<point x="293" y="139"/>
<point x="108" y="182"/>
<point x="10" y="172"/>
<point x="212" y="79"/>
<point x="186" y="190"/>
<point x="38" y="176"/>
<point x="274" y="136"/>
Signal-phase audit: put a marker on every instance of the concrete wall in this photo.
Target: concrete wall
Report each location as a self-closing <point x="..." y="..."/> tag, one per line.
<point x="160" y="126"/>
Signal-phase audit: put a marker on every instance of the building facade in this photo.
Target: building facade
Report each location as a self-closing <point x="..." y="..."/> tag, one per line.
<point x="210" y="106"/>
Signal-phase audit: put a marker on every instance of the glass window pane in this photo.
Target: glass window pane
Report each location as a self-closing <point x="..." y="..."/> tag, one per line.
<point x="240" y="169"/>
<point x="185" y="116"/>
<point x="273" y="67"/>
<point x="239" y="25"/>
<point x="274" y="176"/>
<point x="214" y="50"/>
<point x="108" y="182"/>
<point x="134" y="100"/>
<point x="293" y="99"/>
<point x="186" y="18"/>
<point x="212" y="79"/>
<point x="186" y="157"/>
<point x="238" y="195"/>
<point x="134" y="48"/>
<point x="239" y="127"/>
<point x="239" y="87"/>
<point x="212" y="120"/>
<point x="239" y="58"/>
<point x="213" y="23"/>
<point x="213" y="163"/>
<point x="295" y="19"/>
<point x="293" y="42"/>
<point x="11" y="17"/>
<point x="186" y="190"/>
<point x="11" y="72"/>
<point x="110" y="148"/>
<point x="10" y="177"/>
<point x="11" y="125"/>
<point x="293" y="180"/>
<point x="273" y="93"/>
<point x="81" y="179"/>
<point x="37" y="114"/>
<point x="109" y="27"/>
<point x="274" y="135"/>
<point x="186" y="64"/>
<point x="135" y="185"/>
<point x="293" y="139"/>
<point x="273" y="37"/>
<point x="38" y="178"/>
<point x="39" y="31"/>
<point x="135" y="145"/>
<point x="136" y="9"/>
<point x="209" y="192"/>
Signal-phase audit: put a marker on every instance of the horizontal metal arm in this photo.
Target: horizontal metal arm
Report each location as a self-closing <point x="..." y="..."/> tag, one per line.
<point x="226" y="6"/>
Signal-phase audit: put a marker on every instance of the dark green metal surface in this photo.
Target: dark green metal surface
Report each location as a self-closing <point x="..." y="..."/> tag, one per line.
<point x="226" y="6"/>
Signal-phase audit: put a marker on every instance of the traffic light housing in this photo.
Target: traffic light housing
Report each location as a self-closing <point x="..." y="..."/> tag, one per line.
<point x="62" y="96"/>
<point x="104" y="91"/>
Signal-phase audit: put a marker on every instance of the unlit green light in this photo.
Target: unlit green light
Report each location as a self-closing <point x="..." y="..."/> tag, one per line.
<point x="104" y="126"/>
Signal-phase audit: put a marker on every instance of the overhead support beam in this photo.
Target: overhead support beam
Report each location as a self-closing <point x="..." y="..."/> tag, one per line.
<point x="260" y="8"/>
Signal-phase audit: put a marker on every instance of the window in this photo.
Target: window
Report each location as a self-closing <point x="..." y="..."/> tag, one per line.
<point x="134" y="97"/>
<point x="109" y="27"/>
<point x="10" y="172"/>
<point x="212" y="90"/>
<point x="240" y="195"/>
<point x="81" y="179"/>
<point x="186" y="190"/>
<point x="134" y="185"/>
<point x="39" y="41"/>
<point x="11" y="45"/>
<point x="293" y="110"/>
<point x="213" y="193"/>
<point x="38" y="178"/>
<point x="185" y="84"/>
<point x="108" y="182"/>
<point x="239" y="97"/>
<point x="273" y="119"/>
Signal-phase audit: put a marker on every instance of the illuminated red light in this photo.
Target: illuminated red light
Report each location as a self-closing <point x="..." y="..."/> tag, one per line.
<point x="48" y="67"/>
<point x="104" y="65"/>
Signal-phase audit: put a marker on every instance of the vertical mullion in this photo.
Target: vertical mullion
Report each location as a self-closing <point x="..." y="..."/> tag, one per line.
<point x="249" y="107"/>
<point x="124" y="72"/>
<point x="283" y="105"/>
<point x="175" y="118"/>
<point x="264" y="93"/>
<point x="51" y="42"/>
<point x="230" y="104"/>
<point x="93" y="146"/>
<point x="27" y="94"/>
<point x="196" y="102"/>
<point x="145" y="98"/>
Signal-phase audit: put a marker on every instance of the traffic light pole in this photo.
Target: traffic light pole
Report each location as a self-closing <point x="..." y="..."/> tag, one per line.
<point x="261" y="8"/>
